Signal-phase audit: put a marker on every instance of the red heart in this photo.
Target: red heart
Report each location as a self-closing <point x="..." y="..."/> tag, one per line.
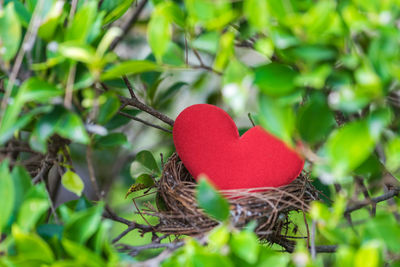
<point x="208" y="142"/>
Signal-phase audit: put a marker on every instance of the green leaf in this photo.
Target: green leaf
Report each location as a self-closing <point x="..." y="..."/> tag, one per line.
<point x="77" y="51"/>
<point x="82" y="23"/>
<point x="385" y="228"/>
<point x="275" y="79"/>
<point x="117" y="8"/>
<point x="37" y="90"/>
<point x="174" y="55"/>
<point x="7" y="195"/>
<point x="392" y="154"/>
<point x="172" y="11"/>
<point x="265" y="46"/>
<point x="10" y="33"/>
<point x="7" y="129"/>
<point x="70" y="126"/>
<point x="207" y="42"/>
<point x="159" y="33"/>
<point x="110" y="140"/>
<point x="33" y="89"/>
<point x="32" y="247"/>
<point x="22" y="184"/>
<point x="144" y="181"/>
<point x="82" y="225"/>
<point x="245" y="245"/>
<point x="109" y="108"/>
<point x="315" y="119"/>
<point x="213" y="15"/>
<point x="129" y="67"/>
<point x="72" y="182"/>
<point x="257" y="13"/>
<point x="144" y="162"/>
<point x="225" y="50"/>
<point x="30" y="212"/>
<point x="83" y="255"/>
<point x="313" y="53"/>
<point x="277" y="118"/>
<point x="209" y="199"/>
<point x="51" y="21"/>
<point x="368" y="255"/>
<point x="44" y="128"/>
<point x="349" y="146"/>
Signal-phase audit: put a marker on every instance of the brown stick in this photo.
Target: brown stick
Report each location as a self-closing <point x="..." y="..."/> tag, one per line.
<point x="129" y="23"/>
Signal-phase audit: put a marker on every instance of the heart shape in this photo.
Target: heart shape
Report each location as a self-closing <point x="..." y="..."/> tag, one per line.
<point x="208" y="142"/>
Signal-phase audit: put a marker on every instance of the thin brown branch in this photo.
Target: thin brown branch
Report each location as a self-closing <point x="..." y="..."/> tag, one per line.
<point x="390" y="194"/>
<point x="134" y="250"/>
<point x="202" y="65"/>
<point x="206" y="68"/>
<point x="132" y="19"/>
<point x="129" y="229"/>
<point x="129" y="85"/>
<point x="143" y="121"/>
<point x="110" y="214"/>
<point x="134" y="102"/>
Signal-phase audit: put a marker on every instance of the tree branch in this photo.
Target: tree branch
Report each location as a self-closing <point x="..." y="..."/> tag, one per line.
<point x="144" y="122"/>
<point x="390" y="194"/>
<point x="134" y="102"/>
<point x="134" y="250"/>
<point x="134" y="16"/>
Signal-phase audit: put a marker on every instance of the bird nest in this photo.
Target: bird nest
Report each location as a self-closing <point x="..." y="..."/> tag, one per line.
<point x="268" y="207"/>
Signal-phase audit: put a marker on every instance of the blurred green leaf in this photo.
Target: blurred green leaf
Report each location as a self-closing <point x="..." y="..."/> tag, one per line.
<point x="315" y="120"/>
<point x="82" y="225"/>
<point x="72" y="182"/>
<point x="77" y="51"/>
<point x="257" y="13"/>
<point x="70" y="126"/>
<point x="368" y="255"/>
<point x="83" y="255"/>
<point x="30" y="212"/>
<point x="109" y="108"/>
<point x="207" y="42"/>
<point x="7" y="195"/>
<point x="349" y="146"/>
<point x="277" y="118"/>
<point x="82" y="23"/>
<point x="115" y="8"/>
<point x="225" y="51"/>
<point x="110" y="140"/>
<point x="10" y="32"/>
<point x="173" y="12"/>
<point x="275" y="79"/>
<point x="22" y="184"/>
<point x="209" y="199"/>
<point x="51" y="21"/>
<point x="245" y="245"/>
<point x="44" y="128"/>
<point x="159" y="33"/>
<point x="385" y="228"/>
<point x="392" y="153"/>
<point x="129" y="67"/>
<point x="31" y="247"/>
<point x="214" y="15"/>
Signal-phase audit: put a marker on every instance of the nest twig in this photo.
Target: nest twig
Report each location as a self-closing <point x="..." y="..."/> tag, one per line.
<point x="268" y="207"/>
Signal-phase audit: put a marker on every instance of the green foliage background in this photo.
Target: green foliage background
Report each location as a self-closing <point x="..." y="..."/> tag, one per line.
<point x="324" y="73"/>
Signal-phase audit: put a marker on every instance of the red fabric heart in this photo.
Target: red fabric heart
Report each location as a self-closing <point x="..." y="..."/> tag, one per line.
<point x="208" y="142"/>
